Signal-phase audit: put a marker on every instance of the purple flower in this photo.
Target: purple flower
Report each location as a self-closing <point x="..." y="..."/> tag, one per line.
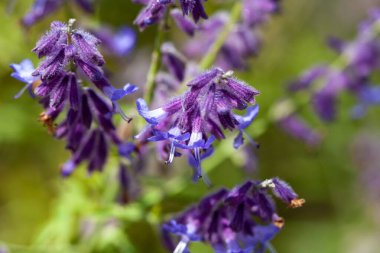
<point x="65" y="48"/>
<point x="43" y="8"/>
<point x="240" y="45"/>
<point x="23" y="73"/>
<point x="39" y="10"/>
<point x="297" y="128"/>
<point x="284" y="192"/>
<point x="367" y="25"/>
<point x="194" y="120"/>
<point x="308" y="78"/>
<point x="244" y="122"/>
<point x="358" y="61"/>
<point x="324" y="100"/>
<point x="258" y="11"/>
<point x="240" y="220"/>
<point x="367" y="96"/>
<point x="90" y="132"/>
<point x="183" y="22"/>
<point x="243" y="42"/>
<point x="119" y="43"/>
<point x="173" y="60"/>
<point x="87" y="126"/>
<point x="151" y="13"/>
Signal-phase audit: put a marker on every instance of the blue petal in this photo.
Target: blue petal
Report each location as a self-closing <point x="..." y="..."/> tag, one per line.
<point x="239" y="140"/>
<point x="265" y="233"/>
<point x="126" y="149"/>
<point x="246" y="120"/>
<point x="151" y="117"/>
<point x="183" y="137"/>
<point x="209" y="142"/>
<point x="117" y="94"/>
<point x="23" y="71"/>
<point x="68" y="168"/>
<point x="158" y="136"/>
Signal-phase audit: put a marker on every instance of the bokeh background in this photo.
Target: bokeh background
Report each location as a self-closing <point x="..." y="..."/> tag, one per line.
<point x="339" y="179"/>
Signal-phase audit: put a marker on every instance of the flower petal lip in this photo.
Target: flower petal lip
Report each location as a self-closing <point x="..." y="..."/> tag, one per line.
<point x="152" y="117"/>
<point x="117" y="94"/>
<point x="23" y="71"/>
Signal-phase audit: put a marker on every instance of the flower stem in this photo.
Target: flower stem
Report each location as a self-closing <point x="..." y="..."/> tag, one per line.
<point x="211" y="55"/>
<point x="155" y="64"/>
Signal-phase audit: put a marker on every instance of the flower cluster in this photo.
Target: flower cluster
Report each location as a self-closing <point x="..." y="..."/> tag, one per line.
<point x="322" y="84"/>
<point x="193" y="120"/>
<point x="43" y="8"/>
<point x="87" y="126"/>
<point x="243" y="219"/>
<point x="351" y="73"/>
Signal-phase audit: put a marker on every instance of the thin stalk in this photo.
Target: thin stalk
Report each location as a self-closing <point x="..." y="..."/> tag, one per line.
<point x="155" y="65"/>
<point x="211" y="55"/>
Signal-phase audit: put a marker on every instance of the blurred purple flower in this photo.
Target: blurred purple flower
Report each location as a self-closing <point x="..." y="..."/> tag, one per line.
<point x="297" y="128"/>
<point x="119" y="43"/>
<point x="256" y="12"/>
<point x="174" y="61"/>
<point x="358" y="61"/>
<point x="367" y="96"/>
<point x="183" y="22"/>
<point x="242" y="43"/>
<point x="43" y="8"/>
<point x="151" y="13"/>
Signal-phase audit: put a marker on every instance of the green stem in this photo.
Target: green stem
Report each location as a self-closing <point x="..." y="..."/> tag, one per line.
<point x="155" y="65"/>
<point x="211" y="55"/>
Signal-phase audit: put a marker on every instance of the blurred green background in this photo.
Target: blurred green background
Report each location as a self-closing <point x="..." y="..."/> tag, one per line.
<point x="340" y="214"/>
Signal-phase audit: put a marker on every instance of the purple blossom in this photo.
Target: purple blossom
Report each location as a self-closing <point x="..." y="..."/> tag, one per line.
<point x="87" y="126"/>
<point x="119" y="43"/>
<point x="151" y="13"/>
<point x="243" y="42"/>
<point x="258" y="11"/>
<point x="173" y="60"/>
<point x="367" y="25"/>
<point x="324" y="100"/>
<point x="240" y="220"/>
<point x="43" y="8"/>
<point x="183" y="22"/>
<point x="308" y="78"/>
<point x="63" y="48"/>
<point x="352" y="72"/>
<point x="193" y="120"/>
<point x="23" y="73"/>
<point x="367" y="96"/>
<point x="297" y="128"/>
